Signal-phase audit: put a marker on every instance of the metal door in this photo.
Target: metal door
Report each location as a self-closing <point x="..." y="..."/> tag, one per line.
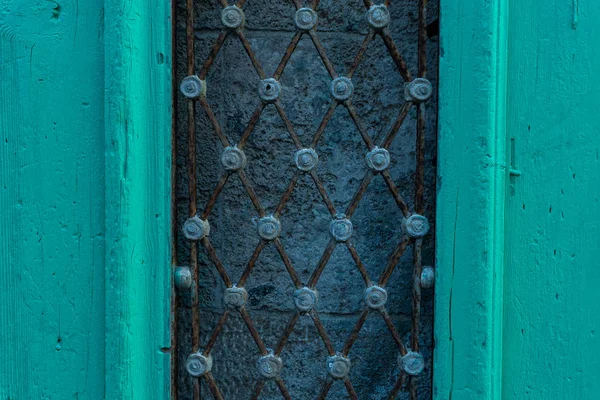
<point x="305" y="197"/>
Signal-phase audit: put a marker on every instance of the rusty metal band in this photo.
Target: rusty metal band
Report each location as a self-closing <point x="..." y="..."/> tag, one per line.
<point x="324" y="123"/>
<point x="286" y="334"/>
<point x="216" y="333"/>
<point x="323" y="193"/>
<point x="323" y="54"/>
<point x="261" y="245"/>
<point x="287" y="194"/>
<point x="361" y="53"/>
<point x="288" y="264"/>
<point x="358" y="262"/>
<point x="250" y="52"/>
<point x="354" y="335"/>
<point x="286" y="56"/>
<point x="213" y="198"/>
<point x="259" y="343"/>
<point x="322" y="263"/>
<point x="288" y="125"/>
<point x="212" y="254"/>
<point x="388" y="321"/>
<point x="395" y="53"/>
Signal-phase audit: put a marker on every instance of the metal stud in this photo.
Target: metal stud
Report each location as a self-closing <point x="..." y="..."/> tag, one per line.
<point x="378" y="159"/>
<point x="193" y="87"/>
<point x="270" y="365"/>
<point x="235" y="297"/>
<point x="342" y="88"/>
<point x="233" y="159"/>
<point x="305" y="299"/>
<point x="305" y="19"/>
<point x="418" y="90"/>
<point x="375" y="297"/>
<point x="415" y="226"/>
<point x="306" y="159"/>
<point x="182" y="277"/>
<point x="341" y="228"/>
<point x="378" y="16"/>
<point x="269" y="227"/>
<point x="338" y="366"/>
<point x="412" y="363"/>
<point x="269" y="90"/>
<point x="195" y="228"/>
<point x="197" y="364"/>
<point x="232" y="17"/>
<point x="427" y="277"/>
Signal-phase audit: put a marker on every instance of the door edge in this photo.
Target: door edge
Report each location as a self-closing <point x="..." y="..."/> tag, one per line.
<point x="471" y="197"/>
<point x="138" y="110"/>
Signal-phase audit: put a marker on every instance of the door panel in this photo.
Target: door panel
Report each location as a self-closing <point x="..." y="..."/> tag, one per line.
<point x="305" y="187"/>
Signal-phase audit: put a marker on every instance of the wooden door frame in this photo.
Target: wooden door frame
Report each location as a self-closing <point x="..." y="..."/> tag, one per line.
<point x="471" y="197"/>
<point x="472" y="174"/>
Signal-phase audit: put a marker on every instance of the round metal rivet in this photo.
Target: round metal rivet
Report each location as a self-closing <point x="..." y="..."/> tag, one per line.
<point x="375" y="297"/>
<point x="195" y="228"/>
<point x="197" y="364"/>
<point x="235" y="297"/>
<point x="342" y="88"/>
<point x="418" y="90"/>
<point x="233" y="159"/>
<point x="269" y="90"/>
<point x="338" y="366"/>
<point x="415" y="226"/>
<point x="427" y="277"/>
<point x="269" y="227"/>
<point x="378" y="16"/>
<point x="412" y="363"/>
<point x="305" y="299"/>
<point x="305" y="19"/>
<point x="270" y="365"/>
<point x="306" y="159"/>
<point x="192" y="87"/>
<point x="182" y="277"/>
<point x="378" y="159"/>
<point x="341" y="229"/>
<point x="232" y="17"/>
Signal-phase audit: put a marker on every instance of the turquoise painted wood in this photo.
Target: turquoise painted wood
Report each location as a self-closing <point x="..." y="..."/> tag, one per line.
<point x="52" y="233"/>
<point x="551" y="317"/>
<point x="471" y="189"/>
<point x="85" y="111"/>
<point x="138" y="110"/>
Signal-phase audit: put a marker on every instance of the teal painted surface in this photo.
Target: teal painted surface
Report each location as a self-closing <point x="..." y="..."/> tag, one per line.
<point x="551" y="317"/>
<point x="52" y="230"/>
<point x="138" y="198"/>
<point x="471" y="187"/>
<point x="84" y="199"/>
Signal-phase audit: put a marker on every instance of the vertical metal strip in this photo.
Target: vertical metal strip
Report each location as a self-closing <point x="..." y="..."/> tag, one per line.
<point x="192" y="188"/>
<point x="419" y="193"/>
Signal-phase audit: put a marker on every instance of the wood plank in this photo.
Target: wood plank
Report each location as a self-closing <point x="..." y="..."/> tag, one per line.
<point x="138" y="209"/>
<point x="51" y="200"/>
<point x="551" y="318"/>
<point x="470" y="201"/>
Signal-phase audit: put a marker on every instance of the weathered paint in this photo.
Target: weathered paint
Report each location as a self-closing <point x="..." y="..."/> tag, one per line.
<point x="138" y="109"/>
<point x="84" y="266"/>
<point x="551" y="317"/>
<point x="52" y="230"/>
<point x="470" y="204"/>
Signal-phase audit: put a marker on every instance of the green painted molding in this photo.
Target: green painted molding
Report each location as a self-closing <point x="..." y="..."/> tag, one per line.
<point x="471" y="196"/>
<point x="137" y="45"/>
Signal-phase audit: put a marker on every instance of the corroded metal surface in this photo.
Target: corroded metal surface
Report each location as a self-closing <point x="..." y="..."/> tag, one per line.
<point x="302" y="155"/>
